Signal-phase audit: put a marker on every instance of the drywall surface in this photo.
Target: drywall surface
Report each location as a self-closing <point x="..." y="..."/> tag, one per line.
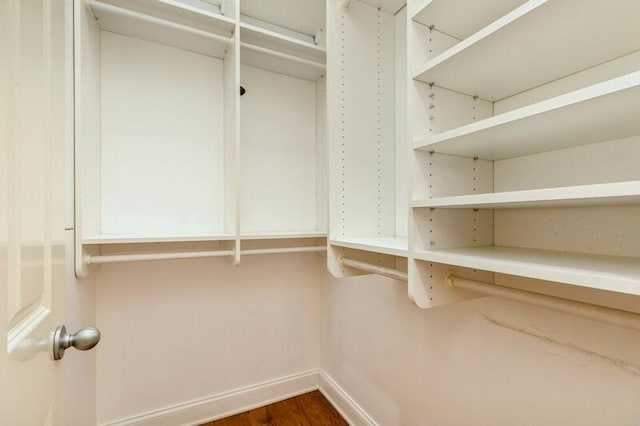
<point x="178" y="331"/>
<point x="484" y="362"/>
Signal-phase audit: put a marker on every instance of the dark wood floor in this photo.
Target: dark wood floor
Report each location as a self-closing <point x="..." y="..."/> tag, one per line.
<point x="309" y="409"/>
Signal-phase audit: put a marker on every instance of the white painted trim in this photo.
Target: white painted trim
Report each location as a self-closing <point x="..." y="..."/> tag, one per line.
<point x="348" y="408"/>
<point x="227" y="403"/>
<point x="247" y="398"/>
<point x="25" y="327"/>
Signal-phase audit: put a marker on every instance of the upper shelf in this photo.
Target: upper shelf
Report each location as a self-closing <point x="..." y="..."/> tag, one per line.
<point x="285" y="52"/>
<point x="168" y="22"/>
<point x="605" y="194"/>
<point x="385" y="245"/>
<point x="604" y="111"/>
<point x="508" y="57"/>
<point x="612" y="273"/>
<point x="135" y="239"/>
<point x="453" y="17"/>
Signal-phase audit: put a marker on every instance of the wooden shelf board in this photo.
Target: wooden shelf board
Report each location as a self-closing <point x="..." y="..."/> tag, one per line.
<point x="385" y="245"/>
<point x="283" y="235"/>
<point x="275" y="50"/>
<point x="611" y="273"/>
<point x="604" y="111"/>
<point x="281" y="42"/>
<point x="207" y="17"/>
<point x="510" y="56"/>
<point x="453" y="17"/>
<point x="130" y="19"/>
<point x="606" y="194"/>
<point x="133" y="239"/>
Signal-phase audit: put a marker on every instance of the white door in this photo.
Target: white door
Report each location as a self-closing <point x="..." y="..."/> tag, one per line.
<point x="34" y="90"/>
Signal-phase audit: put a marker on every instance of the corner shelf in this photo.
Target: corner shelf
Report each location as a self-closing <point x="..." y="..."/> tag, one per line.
<point x="611" y="273"/>
<point x="605" y="194"/>
<point x="384" y="245"/>
<point x="604" y="111"/>
<point x="527" y="58"/>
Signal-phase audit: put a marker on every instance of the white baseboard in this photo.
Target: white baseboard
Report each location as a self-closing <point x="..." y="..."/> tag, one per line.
<point x="250" y="397"/>
<point x="227" y="403"/>
<point x="353" y="413"/>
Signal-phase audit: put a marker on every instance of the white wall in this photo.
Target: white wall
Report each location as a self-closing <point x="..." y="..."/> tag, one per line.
<point x="486" y="361"/>
<point x="178" y="331"/>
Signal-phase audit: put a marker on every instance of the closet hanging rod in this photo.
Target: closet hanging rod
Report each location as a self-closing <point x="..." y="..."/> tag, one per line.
<point x="374" y="269"/>
<point x="284" y="250"/>
<point x="118" y="258"/>
<point x="281" y="55"/>
<point x="587" y="310"/>
<point x="99" y="6"/>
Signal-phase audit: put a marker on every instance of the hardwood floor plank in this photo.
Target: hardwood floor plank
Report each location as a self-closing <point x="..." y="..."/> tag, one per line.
<point x="319" y="410"/>
<point x="310" y="409"/>
<point x="288" y="413"/>
<point x="260" y="417"/>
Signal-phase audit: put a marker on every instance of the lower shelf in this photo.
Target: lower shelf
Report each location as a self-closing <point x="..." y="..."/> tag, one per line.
<point x="611" y="273"/>
<point x="393" y="246"/>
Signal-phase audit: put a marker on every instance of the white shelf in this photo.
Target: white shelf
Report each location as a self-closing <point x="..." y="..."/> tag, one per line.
<point x="140" y="239"/>
<point x="284" y="235"/>
<point x="605" y="194"/>
<point x="604" y="111"/>
<point x="281" y="52"/>
<point x="538" y="42"/>
<point x="385" y="245"/>
<point x="167" y="22"/>
<point x="619" y="274"/>
<point x="453" y="17"/>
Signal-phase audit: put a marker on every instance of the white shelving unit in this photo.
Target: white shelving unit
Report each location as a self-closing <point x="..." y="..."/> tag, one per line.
<point x="169" y="152"/>
<point x="449" y="17"/>
<point x="367" y="140"/>
<point x="596" y="195"/>
<point x="597" y="113"/>
<point x="611" y="273"/>
<point x="507" y="56"/>
<point x="391" y="246"/>
<point x="522" y="141"/>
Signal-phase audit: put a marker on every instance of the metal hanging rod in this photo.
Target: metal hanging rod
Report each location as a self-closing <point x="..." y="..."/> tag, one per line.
<point x="99" y="6"/>
<point x="284" y="250"/>
<point x="587" y="310"/>
<point x="281" y="55"/>
<point x="118" y="258"/>
<point x="374" y="269"/>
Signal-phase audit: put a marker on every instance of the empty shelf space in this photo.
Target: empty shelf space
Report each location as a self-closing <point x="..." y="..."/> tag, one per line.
<point x="604" y="111"/>
<point x="276" y="49"/>
<point x="507" y="57"/>
<point x="611" y="273"/>
<point x="167" y="22"/>
<point x="606" y="194"/>
<point x="454" y="18"/>
<point x="385" y="245"/>
<point x="281" y="40"/>
<point x="134" y="239"/>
